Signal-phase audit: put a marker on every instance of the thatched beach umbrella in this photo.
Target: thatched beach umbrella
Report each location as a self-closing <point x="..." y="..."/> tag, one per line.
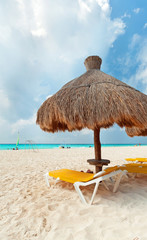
<point x="134" y="131"/>
<point x="94" y="100"/>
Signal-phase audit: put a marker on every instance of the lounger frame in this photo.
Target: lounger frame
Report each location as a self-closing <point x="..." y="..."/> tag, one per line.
<point x="98" y="177"/>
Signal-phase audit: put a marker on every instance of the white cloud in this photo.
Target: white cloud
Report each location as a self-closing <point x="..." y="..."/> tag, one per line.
<point x="104" y="4"/>
<point x="145" y="25"/>
<point x="86" y="131"/>
<point x="5" y="103"/>
<point x="119" y="26"/>
<point x="126" y="15"/>
<point x="2" y="122"/>
<point x="140" y="60"/>
<point x="136" y="59"/>
<point x="5" y="33"/>
<point x="141" y="74"/>
<point x="136" y="10"/>
<point x="84" y="8"/>
<point x="41" y="44"/>
<point x="135" y="40"/>
<point x="39" y="32"/>
<point x="22" y="123"/>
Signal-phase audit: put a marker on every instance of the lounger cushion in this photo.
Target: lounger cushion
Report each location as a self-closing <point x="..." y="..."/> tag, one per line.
<point x="134" y="168"/>
<point x="71" y="176"/>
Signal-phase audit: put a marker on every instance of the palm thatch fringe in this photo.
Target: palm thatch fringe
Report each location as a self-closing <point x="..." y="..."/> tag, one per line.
<point x="136" y="132"/>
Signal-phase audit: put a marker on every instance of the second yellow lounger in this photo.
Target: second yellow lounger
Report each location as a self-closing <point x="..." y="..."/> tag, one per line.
<point x="139" y="160"/>
<point x="130" y="168"/>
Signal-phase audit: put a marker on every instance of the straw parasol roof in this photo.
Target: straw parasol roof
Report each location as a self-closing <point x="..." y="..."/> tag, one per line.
<point x="134" y="131"/>
<point x="94" y="100"/>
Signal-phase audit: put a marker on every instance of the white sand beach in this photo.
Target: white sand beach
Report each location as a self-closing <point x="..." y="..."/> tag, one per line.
<point x="30" y="210"/>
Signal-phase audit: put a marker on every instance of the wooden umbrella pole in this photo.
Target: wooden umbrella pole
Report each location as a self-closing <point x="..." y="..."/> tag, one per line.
<point x="97" y="146"/>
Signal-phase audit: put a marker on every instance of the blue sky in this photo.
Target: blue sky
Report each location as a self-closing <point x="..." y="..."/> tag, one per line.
<point x="43" y="45"/>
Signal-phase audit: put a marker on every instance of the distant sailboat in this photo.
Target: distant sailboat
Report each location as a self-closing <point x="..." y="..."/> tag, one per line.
<point x="17" y="141"/>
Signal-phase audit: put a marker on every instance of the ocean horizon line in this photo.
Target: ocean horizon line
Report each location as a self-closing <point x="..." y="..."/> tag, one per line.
<point x="32" y="145"/>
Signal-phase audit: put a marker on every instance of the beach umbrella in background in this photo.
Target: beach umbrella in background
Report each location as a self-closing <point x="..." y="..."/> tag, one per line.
<point x="94" y="100"/>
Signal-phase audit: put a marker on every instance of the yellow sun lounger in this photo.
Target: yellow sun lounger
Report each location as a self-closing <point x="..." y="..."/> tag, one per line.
<point x="84" y="179"/>
<point x="79" y="179"/>
<point x="137" y="160"/>
<point x="130" y="168"/>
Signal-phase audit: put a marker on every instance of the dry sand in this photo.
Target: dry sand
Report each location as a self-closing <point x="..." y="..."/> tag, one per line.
<point x="30" y="210"/>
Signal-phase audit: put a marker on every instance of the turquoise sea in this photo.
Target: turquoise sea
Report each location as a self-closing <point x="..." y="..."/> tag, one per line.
<point x="51" y="146"/>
